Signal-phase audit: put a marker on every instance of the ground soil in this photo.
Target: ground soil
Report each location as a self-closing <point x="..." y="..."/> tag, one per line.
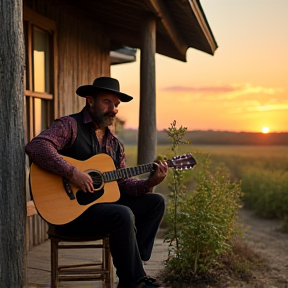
<point x="265" y="238"/>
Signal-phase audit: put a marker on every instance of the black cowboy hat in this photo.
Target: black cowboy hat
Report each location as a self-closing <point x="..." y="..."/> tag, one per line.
<point x="103" y="84"/>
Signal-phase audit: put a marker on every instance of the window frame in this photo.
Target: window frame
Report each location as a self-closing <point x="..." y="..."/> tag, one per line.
<point x="32" y="19"/>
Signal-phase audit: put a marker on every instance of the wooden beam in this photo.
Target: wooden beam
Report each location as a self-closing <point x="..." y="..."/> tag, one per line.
<point x="169" y="25"/>
<point x="147" y="138"/>
<point x="41" y="95"/>
<point x="203" y="24"/>
<point x="41" y="21"/>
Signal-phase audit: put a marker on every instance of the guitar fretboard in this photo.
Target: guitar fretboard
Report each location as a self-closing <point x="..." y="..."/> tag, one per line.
<point x="127" y="172"/>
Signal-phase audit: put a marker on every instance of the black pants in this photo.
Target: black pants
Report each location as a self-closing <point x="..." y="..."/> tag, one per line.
<point x="131" y="223"/>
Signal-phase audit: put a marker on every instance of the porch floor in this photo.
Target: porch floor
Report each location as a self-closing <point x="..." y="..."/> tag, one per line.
<point x="39" y="264"/>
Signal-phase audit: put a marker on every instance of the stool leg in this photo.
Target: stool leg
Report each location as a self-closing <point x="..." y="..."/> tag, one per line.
<point x="107" y="263"/>
<point x="54" y="263"/>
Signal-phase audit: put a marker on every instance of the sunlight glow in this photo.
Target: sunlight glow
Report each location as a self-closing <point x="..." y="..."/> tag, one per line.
<point x="265" y="130"/>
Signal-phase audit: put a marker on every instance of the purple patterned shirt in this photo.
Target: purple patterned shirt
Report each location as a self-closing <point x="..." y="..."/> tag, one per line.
<point x="43" y="151"/>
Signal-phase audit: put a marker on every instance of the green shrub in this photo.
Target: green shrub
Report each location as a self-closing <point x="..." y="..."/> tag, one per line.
<point x="201" y="222"/>
<point x="205" y="224"/>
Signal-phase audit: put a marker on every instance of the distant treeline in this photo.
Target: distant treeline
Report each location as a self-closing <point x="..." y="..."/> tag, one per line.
<point x="211" y="137"/>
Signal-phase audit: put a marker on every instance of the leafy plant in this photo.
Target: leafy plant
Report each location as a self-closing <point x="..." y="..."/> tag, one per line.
<point x="201" y="222"/>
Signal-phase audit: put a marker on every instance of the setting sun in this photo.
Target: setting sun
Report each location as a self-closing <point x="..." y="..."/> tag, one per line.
<point x="265" y="130"/>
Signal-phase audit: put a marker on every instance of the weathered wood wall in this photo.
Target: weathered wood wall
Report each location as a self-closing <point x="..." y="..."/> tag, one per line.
<point x="82" y="54"/>
<point x="82" y="51"/>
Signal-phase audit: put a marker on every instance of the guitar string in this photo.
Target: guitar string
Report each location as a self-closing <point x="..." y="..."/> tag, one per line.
<point x="129" y="172"/>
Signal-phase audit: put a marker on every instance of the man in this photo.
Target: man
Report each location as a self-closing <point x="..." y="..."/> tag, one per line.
<point x="132" y="222"/>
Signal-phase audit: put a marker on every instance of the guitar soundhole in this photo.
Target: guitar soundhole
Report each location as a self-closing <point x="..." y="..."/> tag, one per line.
<point x="97" y="179"/>
<point x="85" y="198"/>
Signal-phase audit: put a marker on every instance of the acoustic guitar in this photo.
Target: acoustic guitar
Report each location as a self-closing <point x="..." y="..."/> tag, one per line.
<point x="59" y="202"/>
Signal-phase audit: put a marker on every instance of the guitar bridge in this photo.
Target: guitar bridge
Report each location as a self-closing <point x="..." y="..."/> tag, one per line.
<point x="68" y="189"/>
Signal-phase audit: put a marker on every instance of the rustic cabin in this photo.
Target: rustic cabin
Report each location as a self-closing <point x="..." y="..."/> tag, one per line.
<point x="69" y="43"/>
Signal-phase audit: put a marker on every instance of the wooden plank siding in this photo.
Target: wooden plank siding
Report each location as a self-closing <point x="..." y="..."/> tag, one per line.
<point x="81" y="54"/>
<point x="82" y="51"/>
<point x="82" y="60"/>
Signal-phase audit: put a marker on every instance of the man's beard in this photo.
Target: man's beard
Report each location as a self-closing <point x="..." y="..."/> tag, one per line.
<point x="103" y="120"/>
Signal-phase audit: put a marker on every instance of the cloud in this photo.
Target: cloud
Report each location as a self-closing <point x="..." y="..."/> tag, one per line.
<point x="236" y="98"/>
<point x="207" y="89"/>
<point x="225" y="91"/>
<point x="265" y="108"/>
<point x="257" y="108"/>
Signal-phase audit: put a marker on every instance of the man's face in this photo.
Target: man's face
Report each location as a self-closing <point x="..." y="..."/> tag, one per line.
<point x="103" y="108"/>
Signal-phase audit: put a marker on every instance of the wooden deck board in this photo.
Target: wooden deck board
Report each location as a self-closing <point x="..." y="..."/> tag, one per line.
<point x="38" y="273"/>
<point x="39" y="265"/>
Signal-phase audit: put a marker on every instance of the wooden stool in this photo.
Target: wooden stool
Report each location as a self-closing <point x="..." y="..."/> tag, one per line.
<point x="97" y="271"/>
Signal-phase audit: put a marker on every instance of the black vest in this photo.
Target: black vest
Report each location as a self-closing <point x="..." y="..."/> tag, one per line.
<point x="86" y="144"/>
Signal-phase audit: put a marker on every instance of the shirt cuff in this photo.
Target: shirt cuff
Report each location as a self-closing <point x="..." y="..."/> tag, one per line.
<point x="147" y="189"/>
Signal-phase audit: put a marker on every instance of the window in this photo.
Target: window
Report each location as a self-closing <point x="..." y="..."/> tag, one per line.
<point x="39" y="33"/>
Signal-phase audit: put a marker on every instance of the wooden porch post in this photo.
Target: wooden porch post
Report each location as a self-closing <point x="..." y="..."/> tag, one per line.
<point x="147" y="137"/>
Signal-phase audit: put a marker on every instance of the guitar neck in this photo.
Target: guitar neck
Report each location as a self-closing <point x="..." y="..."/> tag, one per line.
<point x="127" y="172"/>
<point x="178" y="162"/>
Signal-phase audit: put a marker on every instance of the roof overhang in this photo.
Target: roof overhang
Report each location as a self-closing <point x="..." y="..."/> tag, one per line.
<point x="181" y="24"/>
<point x="185" y="24"/>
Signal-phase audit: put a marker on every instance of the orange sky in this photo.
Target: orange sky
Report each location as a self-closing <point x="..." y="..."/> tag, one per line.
<point x="243" y="87"/>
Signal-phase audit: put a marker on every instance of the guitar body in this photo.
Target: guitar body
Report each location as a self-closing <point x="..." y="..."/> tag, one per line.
<point x="52" y="200"/>
<point x="59" y="202"/>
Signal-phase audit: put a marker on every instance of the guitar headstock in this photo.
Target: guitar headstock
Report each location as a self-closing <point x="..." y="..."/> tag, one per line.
<point x="183" y="162"/>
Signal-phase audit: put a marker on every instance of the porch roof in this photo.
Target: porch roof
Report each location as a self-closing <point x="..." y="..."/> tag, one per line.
<point x="180" y="24"/>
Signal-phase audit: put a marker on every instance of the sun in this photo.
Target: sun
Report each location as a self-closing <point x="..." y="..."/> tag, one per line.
<point x="265" y="130"/>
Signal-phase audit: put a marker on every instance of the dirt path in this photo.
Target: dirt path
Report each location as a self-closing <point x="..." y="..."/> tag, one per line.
<point x="264" y="238"/>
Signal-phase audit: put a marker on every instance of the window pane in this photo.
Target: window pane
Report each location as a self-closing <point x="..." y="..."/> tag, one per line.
<point x="40" y="115"/>
<point x="41" y="58"/>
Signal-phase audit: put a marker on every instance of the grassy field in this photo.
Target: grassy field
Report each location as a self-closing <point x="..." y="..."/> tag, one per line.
<point x="245" y="150"/>
<point x="262" y="170"/>
<point x="268" y="157"/>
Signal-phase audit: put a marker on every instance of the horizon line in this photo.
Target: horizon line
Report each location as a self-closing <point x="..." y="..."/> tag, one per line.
<point x="212" y="130"/>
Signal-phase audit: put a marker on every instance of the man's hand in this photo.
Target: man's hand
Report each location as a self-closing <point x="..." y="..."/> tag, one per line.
<point x="158" y="175"/>
<point x="82" y="180"/>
